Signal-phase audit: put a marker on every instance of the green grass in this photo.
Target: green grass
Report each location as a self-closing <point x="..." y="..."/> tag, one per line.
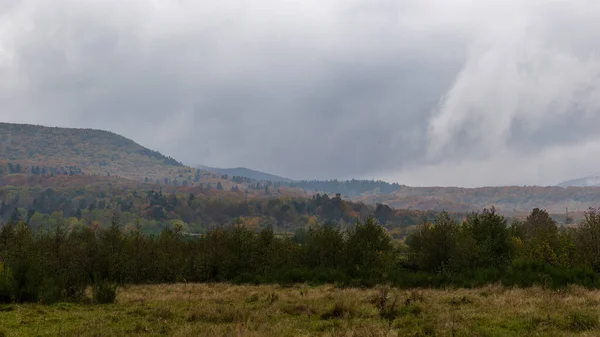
<point x="301" y="310"/>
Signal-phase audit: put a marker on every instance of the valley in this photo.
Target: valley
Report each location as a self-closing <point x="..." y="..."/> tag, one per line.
<point x="299" y="168"/>
<point x="88" y="221"/>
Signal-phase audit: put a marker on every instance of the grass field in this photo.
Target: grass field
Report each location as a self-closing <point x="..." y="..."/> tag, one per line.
<point x="301" y="310"/>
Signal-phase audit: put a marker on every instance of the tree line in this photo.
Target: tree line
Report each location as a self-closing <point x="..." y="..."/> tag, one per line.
<point x="352" y="188"/>
<point x="17" y="168"/>
<point x="197" y="209"/>
<point x="59" y="262"/>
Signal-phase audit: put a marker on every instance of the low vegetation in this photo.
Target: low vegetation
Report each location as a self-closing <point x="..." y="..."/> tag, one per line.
<point x="224" y="309"/>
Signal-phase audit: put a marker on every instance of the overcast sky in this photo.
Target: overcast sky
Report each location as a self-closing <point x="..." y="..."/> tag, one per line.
<point x="422" y="92"/>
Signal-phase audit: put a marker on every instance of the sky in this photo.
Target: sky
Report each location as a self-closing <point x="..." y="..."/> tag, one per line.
<point x="419" y="92"/>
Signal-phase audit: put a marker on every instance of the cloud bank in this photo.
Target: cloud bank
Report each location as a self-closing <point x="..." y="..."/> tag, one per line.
<point x="420" y="92"/>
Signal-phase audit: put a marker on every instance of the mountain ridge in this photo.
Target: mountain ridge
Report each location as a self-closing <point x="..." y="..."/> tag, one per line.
<point x="38" y="149"/>
<point x="29" y="150"/>
<point x="34" y="155"/>
<point x="589" y="181"/>
<point x="245" y="172"/>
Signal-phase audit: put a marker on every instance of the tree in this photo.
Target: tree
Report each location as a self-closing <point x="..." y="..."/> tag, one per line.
<point x="490" y="232"/>
<point x="432" y="246"/>
<point x="368" y="250"/>
<point x="323" y="247"/>
<point x="540" y="237"/>
<point x="30" y="214"/>
<point x="539" y="225"/>
<point x="588" y="239"/>
<point x="112" y="245"/>
<point x="15" y="216"/>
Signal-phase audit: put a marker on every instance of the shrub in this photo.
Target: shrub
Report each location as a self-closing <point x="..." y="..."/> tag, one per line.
<point x="104" y="292"/>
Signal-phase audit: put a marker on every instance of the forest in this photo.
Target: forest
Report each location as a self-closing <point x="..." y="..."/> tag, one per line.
<point x="196" y="209"/>
<point x="58" y="262"/>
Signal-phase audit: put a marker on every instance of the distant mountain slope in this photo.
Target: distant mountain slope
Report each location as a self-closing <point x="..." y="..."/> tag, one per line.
<point x="39" y="149"/>
<point x="582" y="182"/>
<point x="32" y="155"/>
<point x="348" y="188"/>
<point x="245" y="172"/>
<point x="510" y="199"/>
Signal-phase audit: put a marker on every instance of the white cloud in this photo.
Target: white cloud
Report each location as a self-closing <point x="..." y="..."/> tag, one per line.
<point x="515" y="73"/>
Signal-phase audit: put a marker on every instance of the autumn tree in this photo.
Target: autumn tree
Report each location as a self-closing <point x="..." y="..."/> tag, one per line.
<point x="540" y="237"/>
<point x="588" y="239"/>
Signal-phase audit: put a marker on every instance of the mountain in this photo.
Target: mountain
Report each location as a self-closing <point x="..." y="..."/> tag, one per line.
<point x="49" y="157"/>
<point x="33" y="155"/>
<point x="41" y="150"/>
<point x="245" y="172"/>
<point x="582" y="182"/>
<point x="510" y="200"/>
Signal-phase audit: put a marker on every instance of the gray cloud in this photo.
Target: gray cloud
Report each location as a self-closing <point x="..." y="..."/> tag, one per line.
<point x="420" y="92"/>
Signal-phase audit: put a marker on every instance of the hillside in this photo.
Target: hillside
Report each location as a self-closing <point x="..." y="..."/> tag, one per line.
<point x="245" y="172"/>
<point x="80" y="151"/>
<point x="93" y="199"/>
<point x="348" y="188"/>
<point x="582" y="182"/>
<point x="27" y="151"/>
<point x="508" y="199"/>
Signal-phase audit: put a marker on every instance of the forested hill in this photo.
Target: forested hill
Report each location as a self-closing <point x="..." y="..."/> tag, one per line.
<point x="93" y="199"/>
<point x="507" y="199"/>
<point x="245" y="172"/>
<point x="31" y="148"/>
<point x="349" y="188"/>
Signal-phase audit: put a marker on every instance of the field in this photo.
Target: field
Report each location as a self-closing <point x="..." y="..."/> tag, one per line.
<point x="301" y="310"/>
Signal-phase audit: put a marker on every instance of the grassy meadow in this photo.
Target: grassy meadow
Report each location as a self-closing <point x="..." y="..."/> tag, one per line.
<point x="301" y="310"/>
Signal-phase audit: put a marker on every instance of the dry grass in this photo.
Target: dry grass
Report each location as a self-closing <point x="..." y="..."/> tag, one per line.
<point x="233" y="310"/>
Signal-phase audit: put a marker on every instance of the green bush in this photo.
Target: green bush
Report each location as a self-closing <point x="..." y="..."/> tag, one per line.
<point x="525" y="274"/>
<point x="104" y="292"/>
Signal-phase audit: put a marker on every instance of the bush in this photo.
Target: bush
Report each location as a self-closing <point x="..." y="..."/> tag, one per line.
<point x="525" y="274"/>
<point x="104" y="292"/>
<point x="7" y="285"/>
